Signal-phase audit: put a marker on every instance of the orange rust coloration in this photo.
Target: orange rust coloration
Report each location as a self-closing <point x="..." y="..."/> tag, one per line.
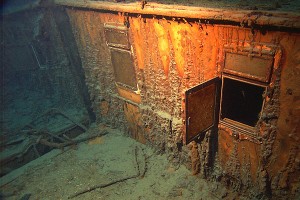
<point x="138" y="38"/>
<point x="133" y="116"/>
<point x="176" y="56"/>
<point x="163" y="46"/>
<point x="188" y="41"/>
<point x="178" y="40"/>
<point x="127" y="94"/>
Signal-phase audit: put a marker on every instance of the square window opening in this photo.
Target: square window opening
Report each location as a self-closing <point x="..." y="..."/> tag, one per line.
<point x="241" y="102"/>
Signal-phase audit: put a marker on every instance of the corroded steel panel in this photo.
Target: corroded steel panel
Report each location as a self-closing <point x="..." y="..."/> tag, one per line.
<point x="174" y="55"/>
<point x="123" y="68"/>
<point x="201" y="106"/>
<point x="117" y="35"/>
<point x="258" y="68"/>
<point x="243" y="154"/>
<point x="133" y="117"/>
<point x="128" y="94"/>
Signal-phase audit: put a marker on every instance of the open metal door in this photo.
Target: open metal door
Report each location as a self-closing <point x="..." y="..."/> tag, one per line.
<point x="202" y="106"/>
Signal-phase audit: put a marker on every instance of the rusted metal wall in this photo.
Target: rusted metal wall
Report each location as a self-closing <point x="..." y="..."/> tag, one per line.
<point x="272" y="165"/>
<point x="171" y="56"/>
<point x="89" y="34"/>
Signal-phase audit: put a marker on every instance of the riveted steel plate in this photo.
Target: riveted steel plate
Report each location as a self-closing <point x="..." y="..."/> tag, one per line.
<point x="117" y="35"/>
<point x="252" y="67"/>
<point x="123" y="68"/>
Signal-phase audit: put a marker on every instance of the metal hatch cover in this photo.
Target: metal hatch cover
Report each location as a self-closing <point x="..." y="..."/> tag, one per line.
<point x="116" y="35"/>
<point x="252" y="67"/>
<point x="123" y="66"/>
<point x="201" y="108"/>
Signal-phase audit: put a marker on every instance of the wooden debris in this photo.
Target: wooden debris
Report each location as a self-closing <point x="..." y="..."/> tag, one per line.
<point x="46" y="113"/>
<point x="71" y="142"/>
<point x="31" y="141"/>
<point x="26" y="139"/>
<point x="69" y="118"/>
<point x="55" y="136"/>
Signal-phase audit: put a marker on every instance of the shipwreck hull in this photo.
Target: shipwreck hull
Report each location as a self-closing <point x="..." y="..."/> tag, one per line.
<point x="216" y="89"/>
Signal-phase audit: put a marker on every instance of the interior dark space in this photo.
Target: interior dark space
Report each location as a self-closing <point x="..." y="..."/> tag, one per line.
<point x="241" y="102"/>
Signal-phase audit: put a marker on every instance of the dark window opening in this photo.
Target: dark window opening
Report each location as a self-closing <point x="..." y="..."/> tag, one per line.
<point x="241" y="102"/>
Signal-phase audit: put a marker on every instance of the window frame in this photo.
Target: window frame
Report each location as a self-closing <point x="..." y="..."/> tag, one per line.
<point x="237" y="126"/>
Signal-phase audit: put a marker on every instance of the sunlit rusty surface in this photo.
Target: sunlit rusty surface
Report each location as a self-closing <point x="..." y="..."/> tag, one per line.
<point x="163" y="46"/>
<point x="177" y="34"/>
<point x="139" y="40"/>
